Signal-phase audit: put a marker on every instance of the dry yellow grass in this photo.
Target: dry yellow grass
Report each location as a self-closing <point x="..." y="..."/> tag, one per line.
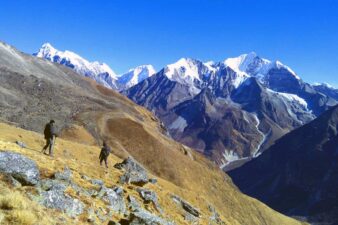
<point x="197" y="180"/>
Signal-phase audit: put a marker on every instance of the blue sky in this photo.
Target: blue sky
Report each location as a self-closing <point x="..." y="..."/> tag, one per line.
<point x="302" y="34"/>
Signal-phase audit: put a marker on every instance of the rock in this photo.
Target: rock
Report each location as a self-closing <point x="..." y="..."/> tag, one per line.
<point x="20" y="167"/>
<point x="97" y="182"/>
<point x="190" y="218"/>
<point x="66" y="175"/>
<point x="134" y="205"/>
<point x="91" y="215"/>
<point x="149" y="196"/>
<point x="153" y="180"/>
<point x="49" y="184"/>
<point x="85" y="177"/>
<point x="21" y="144"/>
<point x="186" y="206"/>
<point x="134" y="173"/>
<point x="51" y="195"/>
<point x="114" y="197"/>
<point x="215" y="217"/>
<point x="13" y="181"/>
<point x="56" y="199"/>
<point x="147" y="218"/>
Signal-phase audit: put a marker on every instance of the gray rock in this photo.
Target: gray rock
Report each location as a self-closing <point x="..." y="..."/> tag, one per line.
<point x="20" y="167"/>
<point x="91" y="215"/>
<point x="153" y="180"/>
<point x="133" y="205"/>
<point x="21" y="144"/>
<point x="134" y="172"/>
<point x="51" y="195"/>
<point x="56" y="199"/>
<point x="49" y="184"/>
<point x="97" y="182"/>
<point x="191" y="218"/>
<point x="215" y="217"/>
<point x="114" y="197"/>
<point x="66" y="175"/>
<point x="150" y="196"/>
<point x="186" y="206"/>
<point x="147" y="218"/>
<point x="85" y="177"/>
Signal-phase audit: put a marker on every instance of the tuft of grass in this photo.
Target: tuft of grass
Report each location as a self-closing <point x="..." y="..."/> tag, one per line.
<point x="21" y="217"/>
<point x="13" y="200"/>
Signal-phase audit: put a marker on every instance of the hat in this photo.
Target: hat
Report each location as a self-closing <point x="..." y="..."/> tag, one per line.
<point x="52" y="121"/>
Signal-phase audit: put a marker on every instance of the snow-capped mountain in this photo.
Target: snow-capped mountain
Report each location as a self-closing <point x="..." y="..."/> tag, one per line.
<point x="135" y="76"/>
<point x="326" y="89"/>
<point x="100" y="72"/>
<point x="230" y="110"/>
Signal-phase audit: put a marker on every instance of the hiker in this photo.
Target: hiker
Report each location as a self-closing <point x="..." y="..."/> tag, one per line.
<point x="50" y="135"/>
<point x="104" y="154"/>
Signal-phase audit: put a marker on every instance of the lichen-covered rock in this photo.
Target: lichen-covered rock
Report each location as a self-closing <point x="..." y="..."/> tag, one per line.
<point x="134" y="172"/>
<point x="20" y="167"/>
<point x="150" y="196"/>
<point x="51" y="195"/>
<point x="56" y="199"/>
<point x="114" y="197"/>
<point x="133" y="205"/>
<point x="66" y="175"/>
<point x="186" y="206"/>
<point x="147" y="218"/>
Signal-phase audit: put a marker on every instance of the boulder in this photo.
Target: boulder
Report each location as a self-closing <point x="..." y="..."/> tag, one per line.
<point x="114" y="197"/>
<point x="51" y="195"/>
<point x="20" y="167"/>
<point x="134" y="172"/>
<point x="149" y="196"/>
<point x="133" y="205"/>
<point x="186" y="206"/>
<point x="56" y="199"/>
<point x="66" y="175"/>
<point x="147" y="218"/>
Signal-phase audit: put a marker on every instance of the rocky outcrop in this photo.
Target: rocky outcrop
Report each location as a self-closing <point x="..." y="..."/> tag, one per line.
<point x="114" y="197"/>
<point x="147" y="218"/>
<point x="150" y="197"/>
<point x="134" y="172"/>
<point x="186" y="206"/>
<point x="20" y="167"/>
<point x="66" y="175"/>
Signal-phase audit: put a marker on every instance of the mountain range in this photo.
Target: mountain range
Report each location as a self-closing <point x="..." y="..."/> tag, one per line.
<point x="231" y="111"/>
<point x="33" y="91"/>
<point x="298" y="175"/>
<point x="100" y="72"/>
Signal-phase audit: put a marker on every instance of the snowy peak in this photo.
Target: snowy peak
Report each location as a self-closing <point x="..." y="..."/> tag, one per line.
<point x="252" y="65"/>
<point x="135" y="76"/>
<point x="100" y="72"/>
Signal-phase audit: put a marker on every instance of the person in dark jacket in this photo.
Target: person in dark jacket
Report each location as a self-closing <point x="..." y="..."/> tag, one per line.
<point x="50" y="135"/>
<point x="105" y="151"/>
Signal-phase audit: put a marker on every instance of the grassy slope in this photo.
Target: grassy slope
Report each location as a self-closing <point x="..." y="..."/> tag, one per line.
<point x="204" y="182"/>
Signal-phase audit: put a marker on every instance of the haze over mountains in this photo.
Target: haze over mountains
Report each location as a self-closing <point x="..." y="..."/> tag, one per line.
<point x="231" y="110"/>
